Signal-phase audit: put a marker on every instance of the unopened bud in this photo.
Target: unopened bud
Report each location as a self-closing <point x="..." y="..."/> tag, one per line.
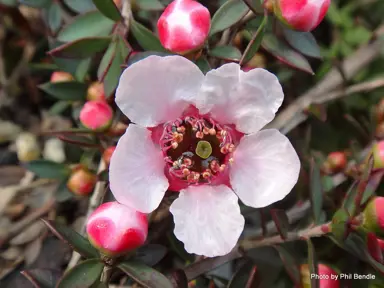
<point x="96" y="115"/>
<point x="81" y="182"/>
<point x="115" y="229"/>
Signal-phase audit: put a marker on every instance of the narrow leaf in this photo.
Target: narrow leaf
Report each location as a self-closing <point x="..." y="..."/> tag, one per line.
<point x="290" y="264"/>
<point x="145" y="37"/>
<point x="70" y="90"/>
<point x="80" y="6"/>
<point x="255" y="42"/>
<point x="72" y="238"/>
<point x="312" y="263"/>
<point x="281" y="221"/>
<point x="226" y="52"/>
<point x="304" y="42"/>
<point x="48" y="169"/>
<point x="285" y="54"/>
<point x="62" y="192"/>
<point x="81" y="48"/>
<point x="91" y="24"/>
<point x="35" y="3"/>
<point x="145" y="275"/>
<point x="108" y="8"/>
<point x="227" y="15"/>
<point x="150" y="254"/>
<point x="203" y="64"/>
<point x="82" y="275"/>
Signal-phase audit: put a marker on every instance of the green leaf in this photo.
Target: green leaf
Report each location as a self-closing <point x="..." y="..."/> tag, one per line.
<point x="281" y="221"/>
<point x="226" y="52"/>
<point x="73" y="239"/>
<point x="241" y="276"/>
<point x="203" y="64"/>
<point x="59" y="107"/>
<point x="150" y="254"/>
<point x="227" y="15"/>
<point x="349" y="200"/>
<point x="48" y="169"/>
<point x="35" y="3"/>
<point x="62" y="192"/>
<point x="45" y="278"/>
<point x="53" y="16"/>
<point x="290" y="264"/>
<point x="145" y="275"/>
<point x="82" y="69"/>
<point x="112" y="61"/>
<point x="81" y="48"/>
<point x="70" y="90"/>
<point x="80" y="6"/>
<point x="91" y="24"/>
<point x="285" y="54"/>
<point x="82" y="275"/>
<point x="339" y="226"/>
<point x="304" y="42"/>
<point x="255" y="42"/>
<point x="146" y="38"/>
<point x="149" y="5"/>
<point x="312" y="263"/>
<point x="316" y="195"/>
<point x="108" y="8"/>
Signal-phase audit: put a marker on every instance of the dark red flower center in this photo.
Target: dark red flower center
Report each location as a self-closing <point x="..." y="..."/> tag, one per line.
<point x="196" y="148"/>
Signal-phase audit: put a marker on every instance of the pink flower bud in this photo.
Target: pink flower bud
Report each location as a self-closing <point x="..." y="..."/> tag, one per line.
<point x="108" y="154"/>
<point x="81" y="181"/>
<point x="374" y="216"/>
<point x="378" y="155"/>
<point x="115" y="229"/>
<point x="96" y="115"/>
<point x="184" y="26"/>
<point x="96" y="91"/>
<point x="325" y="276"/>
<point x="61" y="76"/>
<point x="302" y="15"/>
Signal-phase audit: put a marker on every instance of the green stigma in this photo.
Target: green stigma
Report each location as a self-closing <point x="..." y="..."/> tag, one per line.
<point x="204" y="149"/>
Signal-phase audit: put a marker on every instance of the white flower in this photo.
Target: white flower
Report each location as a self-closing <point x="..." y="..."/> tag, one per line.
<point x="200" y="135"/>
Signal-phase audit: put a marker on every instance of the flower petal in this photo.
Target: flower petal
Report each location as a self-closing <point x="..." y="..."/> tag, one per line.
<point x="265" y="168"/>
<point x="136" y="172"/>
<point x="247" y="99"/>
<point x="157" y="89"/>
<point x="207" y="219"/>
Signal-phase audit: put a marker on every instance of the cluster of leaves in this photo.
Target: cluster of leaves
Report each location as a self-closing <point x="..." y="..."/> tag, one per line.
<point x="91" y="40"/>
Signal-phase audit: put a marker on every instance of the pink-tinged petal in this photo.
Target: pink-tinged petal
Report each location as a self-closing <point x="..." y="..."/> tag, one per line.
<point x="207" y="219"/>
<point x="265" y="168"/>
<point x="247" y="99"/>
<point x="184" y="26"/>
<point x="136" y="172"/>
<point x="158" y="89"/>
<point x="302" y="15"/>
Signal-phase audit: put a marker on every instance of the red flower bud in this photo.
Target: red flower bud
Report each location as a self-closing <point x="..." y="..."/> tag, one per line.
<point x="378" y="155"/>
<point x="115" y="229"/>
<point x="81" y="181"/>
<point x="337" y="161"/>
<point x="96" y="115"/>
<point x="302" y="15"/>
<point x="374" y="247"/>
<point x="96" y="91"/>
<point x="61" y="76"/>
<point x="325" y="276"/>
<point x="374" y="216"/>
<point x="184" y="26"/>
<point x="108" y="154"/>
